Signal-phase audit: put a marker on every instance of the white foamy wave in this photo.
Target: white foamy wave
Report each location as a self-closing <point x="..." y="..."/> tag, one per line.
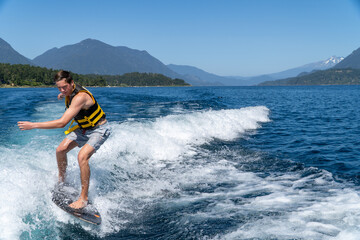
<point x="292" y="207"/>
<point x="47" y="111"/>
<point x="143" y="154"/>
<point x="136" y="149"/>
<point x="26" y="178"/>
<point x="175" y="135"/>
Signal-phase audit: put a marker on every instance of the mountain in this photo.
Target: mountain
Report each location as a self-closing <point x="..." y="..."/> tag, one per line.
<point x="204" y="78"/>
<point x="351" y="61"/>
<point x="9" y="55"/>
<point x="344" y="71"/>
<point x="293" y="72"/>
<point x="330" y="76"/>
<point x="198" y="75"/>
<point x="93" y="56"/>
<point x="321" y="65"/>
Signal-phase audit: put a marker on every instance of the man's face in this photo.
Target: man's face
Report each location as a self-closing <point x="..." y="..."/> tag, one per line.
<point x="64" y="87"/>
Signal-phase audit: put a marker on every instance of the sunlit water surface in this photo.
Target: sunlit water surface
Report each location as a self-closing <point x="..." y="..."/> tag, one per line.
<point x="192" y="163"/>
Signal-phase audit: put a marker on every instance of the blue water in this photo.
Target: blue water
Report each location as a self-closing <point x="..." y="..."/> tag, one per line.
<point x="192" y="163"/>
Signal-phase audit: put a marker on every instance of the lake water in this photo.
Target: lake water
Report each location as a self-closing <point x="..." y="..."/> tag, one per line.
<point x="192" y="163"/>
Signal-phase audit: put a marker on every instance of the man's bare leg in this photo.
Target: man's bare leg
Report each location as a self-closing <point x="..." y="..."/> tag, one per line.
<point x="83" y="158"/>
<point x="64" y="147"/>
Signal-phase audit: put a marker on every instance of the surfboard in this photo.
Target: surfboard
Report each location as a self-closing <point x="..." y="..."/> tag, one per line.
<point x="63" y="195"/>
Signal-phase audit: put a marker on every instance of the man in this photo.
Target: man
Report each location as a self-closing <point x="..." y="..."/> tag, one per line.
<point x="90" y="132"/>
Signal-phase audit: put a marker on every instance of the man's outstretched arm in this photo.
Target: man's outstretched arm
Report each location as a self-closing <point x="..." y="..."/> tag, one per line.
<point x="77" y="103"/>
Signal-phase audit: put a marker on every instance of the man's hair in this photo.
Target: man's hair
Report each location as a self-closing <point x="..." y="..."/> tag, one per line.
<point x="63" y="74"/>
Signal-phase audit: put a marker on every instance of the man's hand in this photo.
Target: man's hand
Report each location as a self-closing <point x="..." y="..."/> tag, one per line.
<point x="61" y="96"/>
<point x="25" y="125"/>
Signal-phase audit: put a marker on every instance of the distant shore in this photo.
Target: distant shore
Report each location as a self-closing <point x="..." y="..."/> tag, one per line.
<point x="26" y="86"/>
<point x="47" y="86"/>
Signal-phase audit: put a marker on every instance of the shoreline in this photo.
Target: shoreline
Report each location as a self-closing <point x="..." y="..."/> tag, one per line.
<point x="46" y="86"/>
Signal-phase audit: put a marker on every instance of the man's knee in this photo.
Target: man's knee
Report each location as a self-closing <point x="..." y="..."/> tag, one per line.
<point x="61" y="149"/>
<point x="83" y="158"/>
<point x="84" y="155"/>
<point x="65" y="146"/>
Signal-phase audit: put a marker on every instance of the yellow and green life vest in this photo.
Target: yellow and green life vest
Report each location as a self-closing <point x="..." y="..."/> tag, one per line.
<point x="85" y="119"/>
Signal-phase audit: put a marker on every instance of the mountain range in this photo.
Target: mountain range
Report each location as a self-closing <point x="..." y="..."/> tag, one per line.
<point x="332" y="76"/>
<point x="92" y="56"/>
<point x="193" y="72"/>
<point x="320" y="65"/>
<point x="346" y="72"/>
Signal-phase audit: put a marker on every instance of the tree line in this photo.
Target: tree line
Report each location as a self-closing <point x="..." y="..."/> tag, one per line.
<point x="27" y="75"/>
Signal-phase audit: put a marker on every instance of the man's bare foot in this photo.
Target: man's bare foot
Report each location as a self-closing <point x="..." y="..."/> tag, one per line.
<point x="80" y="203"/>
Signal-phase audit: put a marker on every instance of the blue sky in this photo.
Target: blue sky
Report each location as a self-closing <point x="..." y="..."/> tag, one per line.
<point x="224" y="37"/>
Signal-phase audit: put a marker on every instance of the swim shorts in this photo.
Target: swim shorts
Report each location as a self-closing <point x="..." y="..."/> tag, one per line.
<point x="95" y="137"/>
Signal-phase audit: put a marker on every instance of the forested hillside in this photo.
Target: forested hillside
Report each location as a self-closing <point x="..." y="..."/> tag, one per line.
<point x="26" y="75"/>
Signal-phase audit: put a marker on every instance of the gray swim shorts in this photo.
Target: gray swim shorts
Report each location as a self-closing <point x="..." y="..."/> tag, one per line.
<point x="95" y="137"/>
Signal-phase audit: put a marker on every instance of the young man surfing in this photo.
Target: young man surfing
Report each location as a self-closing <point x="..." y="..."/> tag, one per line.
<point x="90" y="132"/>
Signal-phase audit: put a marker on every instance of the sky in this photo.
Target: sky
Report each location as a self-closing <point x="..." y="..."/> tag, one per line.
<point x="224" y="37"/>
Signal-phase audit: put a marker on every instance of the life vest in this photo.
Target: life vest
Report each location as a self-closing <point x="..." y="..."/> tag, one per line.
<point x="85" y="119"/>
